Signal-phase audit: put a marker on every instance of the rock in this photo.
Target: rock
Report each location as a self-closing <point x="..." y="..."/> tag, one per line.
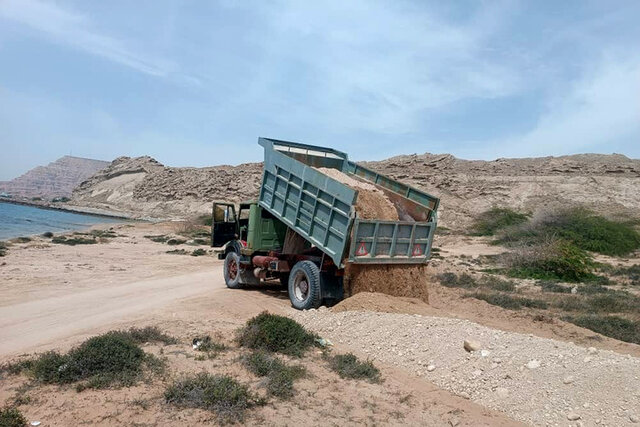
<point x="472" y="345"/>
<point x="502" y="392"/>
<point x="592" y="350"/>
<point x="431" y="368"/>
<point x="574" y="290"/>
<point x="464" y="395"/>
<point x="533" y="364"/>
<point x="634" y="419"/>
<point x="568" y="380"/>
<point x="497" y="360"/>
<point x="588" y="359"/>
<point x="572" y="416"/>
<point x="484" y="353"/>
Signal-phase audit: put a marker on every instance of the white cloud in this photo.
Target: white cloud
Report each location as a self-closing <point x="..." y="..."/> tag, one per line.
<point x="67" y="27"/>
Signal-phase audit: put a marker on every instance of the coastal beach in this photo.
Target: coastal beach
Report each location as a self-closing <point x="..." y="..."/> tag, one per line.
<point x="20" y="219"/>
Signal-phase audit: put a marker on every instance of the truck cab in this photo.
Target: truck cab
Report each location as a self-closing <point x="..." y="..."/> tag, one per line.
<point x="250" y="229"/>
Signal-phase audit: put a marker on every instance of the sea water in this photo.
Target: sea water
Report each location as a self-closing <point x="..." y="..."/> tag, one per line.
<point x="21" y="220"/>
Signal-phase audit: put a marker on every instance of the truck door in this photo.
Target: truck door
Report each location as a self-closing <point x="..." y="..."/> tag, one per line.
<point x="223" y="224"/>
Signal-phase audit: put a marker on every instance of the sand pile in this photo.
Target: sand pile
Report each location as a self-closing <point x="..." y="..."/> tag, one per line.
<point x="404" y="280"/>
<point x="373" y="301"/>
<point x="371" y="203"/>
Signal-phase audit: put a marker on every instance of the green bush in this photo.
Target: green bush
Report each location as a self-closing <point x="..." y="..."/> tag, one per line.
<point x="12" y="417"/>
<point x="178" y="252"/>
<point x="509" y="302"/>
<point x="496" y="219"/>
<point x="174" y="242"/>
<point x="107" y="234"/>
<point x="205" y="220"/>
<point x="556" y="260"/>
<point x="218" y="393"/>
<point x="113" y="358"/>
<point x="348" y="366"/>
<point x="275" y="333"/>
<point x="198" y="252"/>
<point x="157" y="238"/>
<point x="22" y="240"/>
<point x="611" y="326"/>
<point x="583" y="228"/>
<point x="280" y="376"/>
<point x="72" y="241"/>
<point x="3" y="248"/>
<point x="451" y="280"/>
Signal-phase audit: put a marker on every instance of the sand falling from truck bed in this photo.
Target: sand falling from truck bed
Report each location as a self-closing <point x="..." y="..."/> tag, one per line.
<point x="397" y="280"/>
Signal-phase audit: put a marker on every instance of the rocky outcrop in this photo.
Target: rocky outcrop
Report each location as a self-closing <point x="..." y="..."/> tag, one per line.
<point x="142" y="187"/>
<point x="57" y="179"/>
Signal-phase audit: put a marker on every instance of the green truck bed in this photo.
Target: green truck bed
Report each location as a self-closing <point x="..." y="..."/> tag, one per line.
<point x="321" y="209"/>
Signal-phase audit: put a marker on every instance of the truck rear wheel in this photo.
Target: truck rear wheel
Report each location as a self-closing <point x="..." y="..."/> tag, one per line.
<point x="232" y="270"/>
<point x="304" y="286"/>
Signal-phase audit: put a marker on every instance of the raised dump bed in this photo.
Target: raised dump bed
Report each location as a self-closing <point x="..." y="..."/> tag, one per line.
<point x="322" y="210"/>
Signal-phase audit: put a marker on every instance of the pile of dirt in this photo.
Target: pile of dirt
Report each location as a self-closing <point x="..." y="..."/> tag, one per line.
<point x="374" y="301"/>
<point x="396" y="280"/>
<point x="371" y="203"/>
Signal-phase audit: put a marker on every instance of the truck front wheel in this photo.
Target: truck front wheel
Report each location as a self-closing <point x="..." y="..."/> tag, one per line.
<point x="232" y="270"/>
<point x="304" y="286"/>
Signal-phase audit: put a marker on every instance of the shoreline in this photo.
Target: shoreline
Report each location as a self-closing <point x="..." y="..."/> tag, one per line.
<point x="69" y="209"/>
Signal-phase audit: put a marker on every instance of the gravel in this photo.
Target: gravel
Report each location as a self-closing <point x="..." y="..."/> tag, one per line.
<point x="535" y="380"/>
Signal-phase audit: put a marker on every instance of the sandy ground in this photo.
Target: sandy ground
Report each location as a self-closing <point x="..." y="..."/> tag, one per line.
<point x="53" y="297"/>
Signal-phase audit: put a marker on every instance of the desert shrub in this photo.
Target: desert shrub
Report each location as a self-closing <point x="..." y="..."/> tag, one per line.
<point x="583" y="228"/>
<point x="60" y="199"/>
<point x="178" y="252"/>
<point x="220" y="394"/>
<point x="174" y="242"/>
<point x="207" y="345"/>
<point x="632" y="273"/>
<point x="160" y="238"/>
<point x="107" y="234"/>
<point x="198" y="252"/>
<point x="275" y="333"/>
<point x="146" y="335"/>
<point x="498" y="284"/>
<point x="47" y="234"/>
<point x="496" y="219"/>
<point x="12" y="417"/>
<point x="280" y="376"/>
<point x="451" y="280"/>
<point x="549" y="286"/>
<point x="509" y="302"/>
<point x="554" y="260"/>
<point x="593" y="288"/>
<point x="105" y="360"/>
<point x="21" y="239"/>
<point x="3" y="248"/>
<point x="611" y="326"/>
<point x="348" y="366"/>
<point x="72" y="241"/>
<point x="610" y="302"/>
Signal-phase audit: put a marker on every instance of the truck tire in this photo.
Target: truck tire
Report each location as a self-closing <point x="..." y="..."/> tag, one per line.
<point x="232" y="270"/>
<point x="304" y="286"/>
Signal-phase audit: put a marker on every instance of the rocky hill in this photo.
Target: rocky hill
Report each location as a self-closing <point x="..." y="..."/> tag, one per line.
<point x="609" y="183"/>
<point x="142" y="187"/>
<point x="57" y="179"/>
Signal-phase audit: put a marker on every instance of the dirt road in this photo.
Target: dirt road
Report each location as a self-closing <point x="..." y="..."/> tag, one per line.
<point x="33" y="324"/>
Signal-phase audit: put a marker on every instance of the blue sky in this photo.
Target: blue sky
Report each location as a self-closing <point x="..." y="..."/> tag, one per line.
<point x="194" y="83"/>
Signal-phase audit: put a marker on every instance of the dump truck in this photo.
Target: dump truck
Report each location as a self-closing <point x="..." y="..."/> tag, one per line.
<point x="304" y="229"/>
